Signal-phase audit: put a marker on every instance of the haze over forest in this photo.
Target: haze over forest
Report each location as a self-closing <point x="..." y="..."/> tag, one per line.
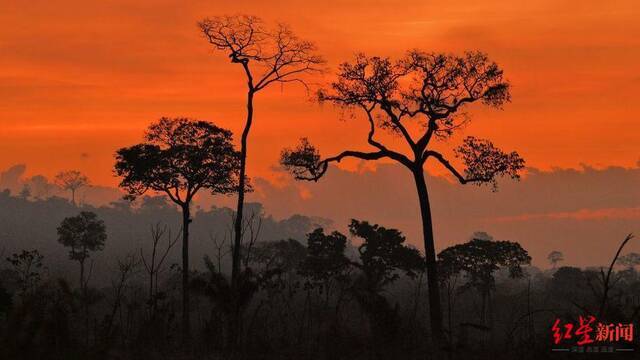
<point x="576" y="211"/>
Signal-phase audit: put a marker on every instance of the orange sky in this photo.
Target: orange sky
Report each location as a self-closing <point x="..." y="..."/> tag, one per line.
<point x="79" y="79"/>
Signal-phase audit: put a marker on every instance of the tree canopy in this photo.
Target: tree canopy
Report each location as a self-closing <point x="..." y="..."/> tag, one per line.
<point x="325" y="256"/>
<point x="279" y="54"/>
<point x="82" y="233"/>
<point x="180" y="156"/>
<point x="479" y="259"/>
<point x="383" y="252"/>
<point x="420" y="97"/>
<point x="71" y="180"/>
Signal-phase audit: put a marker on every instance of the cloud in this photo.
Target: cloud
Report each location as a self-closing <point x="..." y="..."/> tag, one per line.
<point x="10" y="178"/>
<point x="582" y="212"/>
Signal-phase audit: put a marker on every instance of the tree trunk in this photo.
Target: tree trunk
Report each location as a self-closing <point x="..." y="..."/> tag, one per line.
<point x="82" y="276"/>
<point x="235" y="263"/>
<point x="489" y="309"/>
<point x="152" y="299"/>
<point x="450" y="310"/>
<point x="85" y="301"/>
<point x="483" y="308"/>
<point x="186" y="219"/>
<point x="435" y="310"/>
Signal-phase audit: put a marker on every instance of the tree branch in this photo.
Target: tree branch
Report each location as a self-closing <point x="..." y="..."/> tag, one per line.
<point x="447" y="165"/>
<point x="324" y="164"/>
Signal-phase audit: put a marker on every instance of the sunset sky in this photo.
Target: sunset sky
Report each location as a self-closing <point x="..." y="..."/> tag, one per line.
<point x="79" y="79"/>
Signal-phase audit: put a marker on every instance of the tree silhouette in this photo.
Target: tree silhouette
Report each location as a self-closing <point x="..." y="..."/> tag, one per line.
<point x="71" y="180"/>
<point x="325" y="260"/>
<point x="419" y="98"/>
<point x="267" y="56"/>
<point x="83" y="233"/>
<point x="607" y="280"/>
<point x="555" y="257"/>
<point x="127" y="269"/>
<point x="383" y="253"/>
<point x="27" y="266"/>
<point x="284" y="255"/>
<point x="479" y="259"/>
<point x="153" y="264"/>
<point x="570" y="284"/>
<point x="383" y="256"/>
<point x="180" y="157"/>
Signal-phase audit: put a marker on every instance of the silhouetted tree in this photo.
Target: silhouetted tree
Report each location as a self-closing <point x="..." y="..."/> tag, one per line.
<point x="279" y="263"/>
<point x="127" y="268"/>
<point x="71" y="180"/>
<point x="27" y="266"/>
<point x="383" y="255"/>
<point x="571" y="285"/>
<point x="84" y="233"/>
<point x="555" y="257"/>
<point x="325" y="259"/>
<point x="284" y="254"/>
<point x="606" y="279"/>
<point x="180" y="157"/>
<point x="449" y="275"/>
<point x="267" y="56"/>
<point x="284" y="257"/>
<point x="419" y="98"/>
<point x="153" y="265"/>
<point x="326" y="282"/>
<point x="479" y="259"/>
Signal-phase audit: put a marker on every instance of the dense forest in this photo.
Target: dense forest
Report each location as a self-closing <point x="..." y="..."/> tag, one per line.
<point x="306" y="293"/>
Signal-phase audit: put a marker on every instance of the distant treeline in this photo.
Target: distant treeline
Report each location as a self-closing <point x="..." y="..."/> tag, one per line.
<point x="31" y="224"/>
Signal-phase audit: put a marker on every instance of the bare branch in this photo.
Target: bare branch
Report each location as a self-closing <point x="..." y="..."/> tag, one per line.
<point x="283" y="56"/>
<point x="484" y="162"/>
<point x="305" y="164"/>
<point x="606" y="280"/>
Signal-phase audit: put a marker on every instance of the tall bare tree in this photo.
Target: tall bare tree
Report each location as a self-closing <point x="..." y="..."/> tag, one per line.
<point x="267" y="56"/>
<point x="420" y="99"/>
<point x="127" y="269"/>
<point x="71" y="180"/>
<point x="27" y="267"/>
